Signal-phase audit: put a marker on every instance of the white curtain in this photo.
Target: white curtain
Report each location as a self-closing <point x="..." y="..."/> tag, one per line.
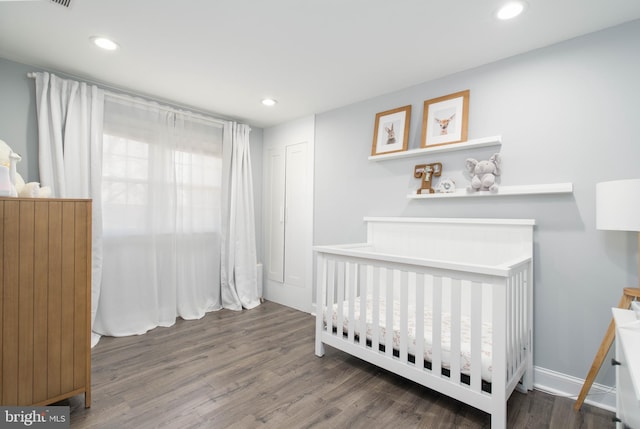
<point x="173" y="216"/>
<point x="162" y="177"/>
<point x="70" y="116"/>
<point x="239" y="263"/>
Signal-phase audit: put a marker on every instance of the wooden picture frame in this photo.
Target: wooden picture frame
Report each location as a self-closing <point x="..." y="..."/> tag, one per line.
<point x="445" y="119"/>
<point x="391" y="131"/>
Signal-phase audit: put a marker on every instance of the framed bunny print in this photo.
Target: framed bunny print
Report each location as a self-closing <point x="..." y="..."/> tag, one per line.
<point x="391" y="131"/>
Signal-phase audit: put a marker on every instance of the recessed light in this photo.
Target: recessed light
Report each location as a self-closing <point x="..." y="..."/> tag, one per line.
<point x="104" y="43"/>
<point x="511" y="10"/>
<point x="269" y="102"/>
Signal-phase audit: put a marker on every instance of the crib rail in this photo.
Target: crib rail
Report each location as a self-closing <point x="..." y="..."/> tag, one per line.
<point x="376" y="307"/>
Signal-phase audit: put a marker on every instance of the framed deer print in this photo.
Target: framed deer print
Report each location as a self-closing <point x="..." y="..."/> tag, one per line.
<point x="445" y="119"/>
<point x="391" y="131"/>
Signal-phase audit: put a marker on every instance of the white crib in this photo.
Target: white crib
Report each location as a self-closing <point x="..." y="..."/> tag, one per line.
<point x="456" y="292"/>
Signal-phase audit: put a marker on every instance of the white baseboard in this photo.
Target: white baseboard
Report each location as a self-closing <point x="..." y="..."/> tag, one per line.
<point x="560" y="384"/>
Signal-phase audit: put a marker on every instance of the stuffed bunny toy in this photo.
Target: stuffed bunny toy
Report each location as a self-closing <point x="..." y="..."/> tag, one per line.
<point x="16" y="186"/>
<point x="483" y="173"/>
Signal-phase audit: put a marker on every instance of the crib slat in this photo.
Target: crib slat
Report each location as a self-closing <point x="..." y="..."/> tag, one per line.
<point x="476" y="337"/>
<point x="521" y="334"/>
<point x="515" y="326"/>
<point x="405" y="279"/>
<point x="419" y="337"/>
<point x="514" y="330"/>
<point x="340" y="298"/>
<point x="375" y="321"/>
<point x="331" y="279"/>
<point x="522" y="318"/>
<point x="364" y="297"/>
<point x="352" y="278"/>
<point x="511" y="327"/>
<point x="390" y="285"/>
<point x="436" y="331"/>
<point x="456" y="314"/>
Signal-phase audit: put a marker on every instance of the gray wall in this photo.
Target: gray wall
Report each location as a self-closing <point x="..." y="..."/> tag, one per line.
<point x="566" y="113"/>
<point x="18" y="127"/>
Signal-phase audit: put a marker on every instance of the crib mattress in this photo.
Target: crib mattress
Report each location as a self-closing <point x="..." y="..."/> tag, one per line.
<point x="465" y="335"/>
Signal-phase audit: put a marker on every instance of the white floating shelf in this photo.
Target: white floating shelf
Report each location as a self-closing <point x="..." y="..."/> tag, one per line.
<point x="469" y="144"/>
<point x="552" y="188"/>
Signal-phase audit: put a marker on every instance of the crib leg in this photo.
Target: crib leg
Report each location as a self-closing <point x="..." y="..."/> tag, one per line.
<point x="526" y="383"/>
<point x="319" y="344"/>
<point x="499" y="418"/>
<point x="527" y="380"/>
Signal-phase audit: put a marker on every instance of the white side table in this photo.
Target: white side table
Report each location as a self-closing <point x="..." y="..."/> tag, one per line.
<point x="627" y="354"/>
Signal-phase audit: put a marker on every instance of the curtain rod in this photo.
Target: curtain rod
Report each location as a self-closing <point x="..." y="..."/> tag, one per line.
<point x="142" y="100"/>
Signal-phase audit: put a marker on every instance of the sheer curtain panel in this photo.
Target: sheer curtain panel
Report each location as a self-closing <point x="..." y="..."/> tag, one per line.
<point x="239" y="262"/>
<point x="162" y="172"/>
<point x="70" y="117"/>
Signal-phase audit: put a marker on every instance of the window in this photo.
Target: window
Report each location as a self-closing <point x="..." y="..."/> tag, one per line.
<point x="162" y="171"/>
<point x="199" y="177"/>
<point x="125" y="186"/>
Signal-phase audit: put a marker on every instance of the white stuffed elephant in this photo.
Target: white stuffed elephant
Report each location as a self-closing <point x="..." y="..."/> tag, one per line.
<point x="483" y="173"/>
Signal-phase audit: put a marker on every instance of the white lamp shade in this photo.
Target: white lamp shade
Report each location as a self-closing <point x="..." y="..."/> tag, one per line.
<point x="618" y="205"/>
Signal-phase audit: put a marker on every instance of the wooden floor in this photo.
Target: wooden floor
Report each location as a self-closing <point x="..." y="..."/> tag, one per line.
<point x="257" y="369"/>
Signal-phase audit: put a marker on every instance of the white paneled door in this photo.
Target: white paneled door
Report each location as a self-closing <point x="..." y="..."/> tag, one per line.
<point x="295" y="248"/>
<point x="274" y="203"/>
<point x="288" y="224"/>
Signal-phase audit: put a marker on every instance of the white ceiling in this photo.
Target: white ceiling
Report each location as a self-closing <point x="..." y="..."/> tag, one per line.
<point x="224" y="56"/>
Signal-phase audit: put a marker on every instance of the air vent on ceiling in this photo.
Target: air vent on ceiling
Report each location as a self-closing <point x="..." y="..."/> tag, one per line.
<point x="64" y="3"/>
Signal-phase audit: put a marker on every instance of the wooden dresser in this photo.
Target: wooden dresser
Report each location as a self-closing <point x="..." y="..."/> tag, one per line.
<point x="45" y="296"/>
